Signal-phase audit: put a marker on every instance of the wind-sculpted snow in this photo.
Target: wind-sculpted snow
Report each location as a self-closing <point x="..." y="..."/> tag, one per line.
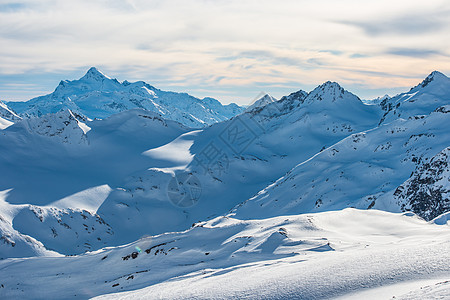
<point x="96" y="95"/>
<point x="303" y="256"/>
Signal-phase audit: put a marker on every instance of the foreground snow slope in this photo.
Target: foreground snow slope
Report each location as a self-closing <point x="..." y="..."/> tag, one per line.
<point x="96" y="95"/>
<point x="303" y="256"/>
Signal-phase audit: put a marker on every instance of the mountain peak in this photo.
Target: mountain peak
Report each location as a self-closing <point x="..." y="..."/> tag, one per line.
<point x="94" y="74"/>
<point x="264" y="100"/>
<point x="331" y="92"/>
<point x="434" y="76"/>
<point x="328" y="91"/>
<point x="331" y="84"/>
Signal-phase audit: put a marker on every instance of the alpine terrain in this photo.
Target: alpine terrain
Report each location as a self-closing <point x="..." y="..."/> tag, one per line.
<point x="119" y="190"/>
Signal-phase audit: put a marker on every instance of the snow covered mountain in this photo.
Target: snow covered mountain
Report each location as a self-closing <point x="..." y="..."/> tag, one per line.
<point x="377" y="100"/>
<point x="272" y="191"/>
<point x="261" y="102"/>
<point x="233" y="160"/>
<point x="328" y="130"/>
<point x="64" y="125"/>
<point x="57" y="173"/>
<point x="96" y="95"/>
<point x="431" y="93"/>
<point x="362" y="171"/>
<point x="118" y="152"/>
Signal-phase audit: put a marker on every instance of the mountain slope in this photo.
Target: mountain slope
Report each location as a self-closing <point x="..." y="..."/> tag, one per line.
<point x="63" y="125"/>
<point x="362" y="171"/>
<point x="7" y="116"/>
<point x="7" y="113"/>
<point x="140" y="156"/>
<point x="96" y="95"/>
<point x="305" y="256"/>
<point x="432" y="92"/>
<point x="427" y="191"/>
<point x="231" y="161"/>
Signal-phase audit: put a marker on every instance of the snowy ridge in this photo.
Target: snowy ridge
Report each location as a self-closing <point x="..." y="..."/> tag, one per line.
<point x="377" y="100"/>
<point x="7" y="113"/>
<point x="261" y="102"/>
<point x="431" y="93"/>
<point x="7" y="116"/>
<point x="96" y="95"/>
<point x="62" y="125"/>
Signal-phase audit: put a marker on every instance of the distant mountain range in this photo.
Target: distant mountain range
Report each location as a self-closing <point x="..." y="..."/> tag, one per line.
<point x="96" y="95"/>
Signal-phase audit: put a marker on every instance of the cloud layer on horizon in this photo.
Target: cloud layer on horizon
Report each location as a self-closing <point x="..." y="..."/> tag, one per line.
<point x="227" y="49"/>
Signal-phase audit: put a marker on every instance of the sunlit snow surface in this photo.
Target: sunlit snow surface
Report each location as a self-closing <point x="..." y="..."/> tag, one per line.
<point x="321" y="255"/>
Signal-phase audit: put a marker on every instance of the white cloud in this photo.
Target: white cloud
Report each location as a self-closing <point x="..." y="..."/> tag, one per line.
<point x="211" y="47"/>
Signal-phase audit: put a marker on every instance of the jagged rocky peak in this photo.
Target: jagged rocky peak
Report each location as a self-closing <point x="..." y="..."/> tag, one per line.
<point x="427" y="191"/>
<point x="424" y="98"/>
<point x="435" y="76"/>
<point x="330" y="92"/>
<point x="298" y="96"/>
<point x="435" y="80"/>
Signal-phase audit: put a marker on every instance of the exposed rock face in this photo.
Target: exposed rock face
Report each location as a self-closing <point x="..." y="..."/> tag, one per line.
<point x="64" y="125"/>
<point x="427" y="191"/>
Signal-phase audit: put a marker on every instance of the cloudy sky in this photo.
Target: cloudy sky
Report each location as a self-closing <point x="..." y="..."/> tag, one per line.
<point x="231" y="50"/>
